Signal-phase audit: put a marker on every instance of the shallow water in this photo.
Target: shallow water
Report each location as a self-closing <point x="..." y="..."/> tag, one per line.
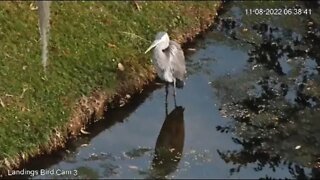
<point x="250" y="109"/>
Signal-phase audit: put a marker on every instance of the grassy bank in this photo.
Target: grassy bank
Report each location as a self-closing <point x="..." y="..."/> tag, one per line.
<point x="87" y="41"/>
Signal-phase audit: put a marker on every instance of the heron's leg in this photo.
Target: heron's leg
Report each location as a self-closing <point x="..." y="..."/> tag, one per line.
<point x="174" y="92"/>
<point x="166" y="102"/>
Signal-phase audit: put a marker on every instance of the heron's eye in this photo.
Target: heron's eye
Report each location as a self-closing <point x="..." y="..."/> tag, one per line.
<point x="163" y="50"/>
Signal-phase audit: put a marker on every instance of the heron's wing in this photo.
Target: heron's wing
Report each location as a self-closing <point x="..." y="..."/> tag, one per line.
<point x="177" y="61"/>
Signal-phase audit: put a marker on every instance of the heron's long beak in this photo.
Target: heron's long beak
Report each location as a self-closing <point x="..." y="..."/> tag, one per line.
<point x="154" y="44"/>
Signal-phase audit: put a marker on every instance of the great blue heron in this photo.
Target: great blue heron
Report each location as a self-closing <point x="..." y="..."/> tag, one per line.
<point x="168" y="59"/>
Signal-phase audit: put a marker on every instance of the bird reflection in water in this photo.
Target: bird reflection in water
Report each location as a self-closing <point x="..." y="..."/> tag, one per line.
<point x="169" y="145"/>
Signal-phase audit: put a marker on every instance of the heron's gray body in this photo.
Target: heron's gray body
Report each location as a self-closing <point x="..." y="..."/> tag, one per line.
<point x="168" y="59"/>
<point x="169" y="62"/>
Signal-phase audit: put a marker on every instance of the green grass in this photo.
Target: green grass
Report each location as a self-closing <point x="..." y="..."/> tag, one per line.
<point x="87" y="41"/>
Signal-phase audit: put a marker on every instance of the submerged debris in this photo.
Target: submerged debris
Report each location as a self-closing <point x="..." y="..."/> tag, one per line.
<point x="133" y="167"/>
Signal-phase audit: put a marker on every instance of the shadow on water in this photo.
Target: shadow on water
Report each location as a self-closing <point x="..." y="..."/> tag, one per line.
<point x="252" y="109"/>
<point x="169" y="145"/>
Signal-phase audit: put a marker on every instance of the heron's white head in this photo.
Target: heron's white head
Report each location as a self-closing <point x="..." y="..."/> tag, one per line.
<point x="162" y="38"/>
